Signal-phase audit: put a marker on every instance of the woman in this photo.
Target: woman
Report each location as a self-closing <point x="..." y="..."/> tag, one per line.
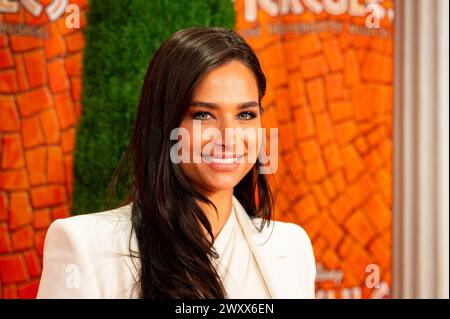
<point x="198" y="221"/>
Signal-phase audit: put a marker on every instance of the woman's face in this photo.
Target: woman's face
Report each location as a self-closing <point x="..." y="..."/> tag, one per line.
<point x="223" y="122"/>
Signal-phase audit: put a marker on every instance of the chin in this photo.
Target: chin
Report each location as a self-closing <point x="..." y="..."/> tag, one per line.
<point x="213" y="180"/>
<point x="220" y="182"/>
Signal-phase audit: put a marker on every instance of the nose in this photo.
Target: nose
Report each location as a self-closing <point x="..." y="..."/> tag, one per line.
<point x="226" y="141"/>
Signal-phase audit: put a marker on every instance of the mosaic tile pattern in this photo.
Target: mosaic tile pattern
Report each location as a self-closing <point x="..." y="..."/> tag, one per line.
<point x="330" y="94"/>
<point x="40" y="90"/>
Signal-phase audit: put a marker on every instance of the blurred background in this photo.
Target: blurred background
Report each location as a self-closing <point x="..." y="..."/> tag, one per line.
<point x="357" y="88"/>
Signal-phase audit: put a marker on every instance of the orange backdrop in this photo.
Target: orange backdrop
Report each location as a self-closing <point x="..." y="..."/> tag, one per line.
<point x="40" y="89"/>
<point x="330" y="83"/>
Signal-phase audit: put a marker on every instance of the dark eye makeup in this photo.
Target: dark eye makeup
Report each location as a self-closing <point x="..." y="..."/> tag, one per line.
<point x="202" y="115"/>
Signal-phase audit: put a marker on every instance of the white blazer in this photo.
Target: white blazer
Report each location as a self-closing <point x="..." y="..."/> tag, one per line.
<point x="87" y="256"/>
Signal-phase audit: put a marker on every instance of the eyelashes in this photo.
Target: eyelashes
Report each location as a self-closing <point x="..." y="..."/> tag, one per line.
<point x="248" y="115"/>
<point x="201" y="116"/>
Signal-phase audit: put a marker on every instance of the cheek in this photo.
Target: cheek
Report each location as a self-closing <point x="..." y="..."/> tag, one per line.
<point x="199" y="136"/>
<point x="191" y="144"/>
<point x="253" y="143"/>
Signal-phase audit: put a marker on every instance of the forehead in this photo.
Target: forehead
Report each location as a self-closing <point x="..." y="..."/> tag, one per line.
<point x="231" y="83"/>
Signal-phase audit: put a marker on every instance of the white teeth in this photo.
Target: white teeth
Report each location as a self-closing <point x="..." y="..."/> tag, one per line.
<point x="229" y="160"/>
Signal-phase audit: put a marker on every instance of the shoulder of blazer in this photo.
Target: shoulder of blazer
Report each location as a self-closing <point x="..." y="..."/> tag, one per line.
<point x="304" y="259"/>
<point x="295" y="234"/>
<point x="299" y="251"/>
<point x="110" y="217"/>
<point x="88" y="250"/>
<point x="299" y="245"/>
<point x="108" y="229"/>
<point x="285" y="238"/>
<point x="277" y="236"/>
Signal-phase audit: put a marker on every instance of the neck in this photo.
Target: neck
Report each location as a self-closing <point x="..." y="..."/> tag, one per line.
<point x="223" y="201"/>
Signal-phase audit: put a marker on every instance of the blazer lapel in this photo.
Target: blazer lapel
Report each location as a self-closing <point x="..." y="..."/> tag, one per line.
<point x="271" y="255"/>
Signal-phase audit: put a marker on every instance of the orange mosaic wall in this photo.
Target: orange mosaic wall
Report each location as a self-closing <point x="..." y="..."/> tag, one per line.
<point x="330" y="93"/>
<point x="40" y="89"/>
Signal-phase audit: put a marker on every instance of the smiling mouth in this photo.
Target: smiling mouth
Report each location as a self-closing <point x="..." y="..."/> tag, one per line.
<point x="226" y="159"/>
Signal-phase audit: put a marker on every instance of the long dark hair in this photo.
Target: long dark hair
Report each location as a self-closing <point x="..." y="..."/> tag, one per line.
<point x="174" y="254"/>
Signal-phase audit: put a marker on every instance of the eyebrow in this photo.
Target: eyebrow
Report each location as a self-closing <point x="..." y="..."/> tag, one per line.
<point x="243" y="105"/>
